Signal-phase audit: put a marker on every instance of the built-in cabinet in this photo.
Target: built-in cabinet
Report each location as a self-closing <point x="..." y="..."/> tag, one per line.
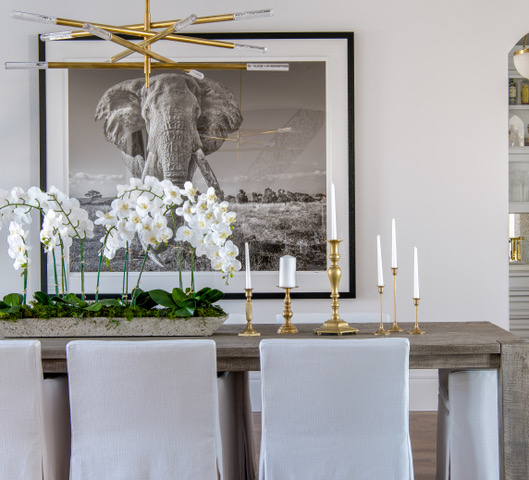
<point x="519" y="206"/>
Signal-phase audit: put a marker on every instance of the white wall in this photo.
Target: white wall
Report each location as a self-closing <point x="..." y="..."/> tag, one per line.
<point x="431" y="136"/>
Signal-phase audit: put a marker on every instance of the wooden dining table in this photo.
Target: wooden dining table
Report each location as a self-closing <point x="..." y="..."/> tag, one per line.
<point x="446" y="346"/>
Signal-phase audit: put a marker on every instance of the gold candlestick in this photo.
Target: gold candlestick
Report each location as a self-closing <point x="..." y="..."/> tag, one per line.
<point x="381" y="330"/>
<point x="416" y="330"/>
<point x="287" y="327"/>
<point x="249" y="331"/>
<point x="335" y="326"/>
<point x="395" y="327"/>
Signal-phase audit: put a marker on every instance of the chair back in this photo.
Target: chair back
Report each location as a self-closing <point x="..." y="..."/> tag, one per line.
<point x="21" y="413"/>
<point x="335" y="408"/>
<point x="143" y="409"/>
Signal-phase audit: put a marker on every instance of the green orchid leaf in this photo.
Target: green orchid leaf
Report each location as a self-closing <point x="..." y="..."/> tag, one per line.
<point x="179" y="296"/>
<point x="73" y="299"/>
<point x="189" y="303"/>
<point x="3" y="305"/>
<point x="184" y="312"/>
<point x="56" y="299"/>
<point x="43" y="298"/>
<point x="163" y="298"/>
<point x="203" y="292"/>
<point x="110" y="301"/>
<point x="14" y="299"/>
<point x="144" y="300"/>
<point x="94" y="307"/>
<point x="213" y="296"/>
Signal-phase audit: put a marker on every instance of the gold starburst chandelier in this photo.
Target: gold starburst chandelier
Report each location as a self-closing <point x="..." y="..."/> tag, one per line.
<point x="149" y="32"/>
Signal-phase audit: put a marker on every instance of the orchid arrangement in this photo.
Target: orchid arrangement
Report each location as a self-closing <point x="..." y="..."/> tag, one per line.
<point x="154" y="211"/>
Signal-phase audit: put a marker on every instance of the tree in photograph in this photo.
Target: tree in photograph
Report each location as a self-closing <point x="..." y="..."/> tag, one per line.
<point x="93" y="195"/>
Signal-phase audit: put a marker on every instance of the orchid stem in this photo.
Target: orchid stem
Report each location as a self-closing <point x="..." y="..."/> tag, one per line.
<point x="192" y="270"/>
<point x="25" y="285"/>
<point x="55" y="272"/>
<point x="125" y="276"/>
<point x="139" y="276"/>
<point x="82" y="269"/>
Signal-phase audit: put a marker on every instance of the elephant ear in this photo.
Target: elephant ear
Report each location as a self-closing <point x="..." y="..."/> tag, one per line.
<point x="120" y="108"/>
<point x="220" y="114"/>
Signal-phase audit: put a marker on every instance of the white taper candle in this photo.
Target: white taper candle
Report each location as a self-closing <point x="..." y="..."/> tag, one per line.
<point x="248" y="272"/>
<point x="415" y="274"/>
<point x="379" y="264"/>
<point x="393" y="245"/>
<point x="334" y="234"/>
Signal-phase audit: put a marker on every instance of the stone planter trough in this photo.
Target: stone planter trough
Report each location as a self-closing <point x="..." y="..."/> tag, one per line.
<point x="116" y="327"/>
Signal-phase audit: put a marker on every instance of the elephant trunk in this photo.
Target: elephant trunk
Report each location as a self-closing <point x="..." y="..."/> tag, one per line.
<point x="173" y="141"/>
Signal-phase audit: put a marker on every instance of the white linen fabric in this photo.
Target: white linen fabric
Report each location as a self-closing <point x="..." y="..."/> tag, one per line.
<point x="335" y="408"/>
<point x="25" y="447"/>
<point x="468" y="430"/>
<point x="144" y="410"/>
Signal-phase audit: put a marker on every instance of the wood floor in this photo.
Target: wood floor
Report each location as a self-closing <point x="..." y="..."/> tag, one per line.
<point x="423" y="427"/>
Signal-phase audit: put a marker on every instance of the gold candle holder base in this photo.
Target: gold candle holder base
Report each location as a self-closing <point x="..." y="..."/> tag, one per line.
<point x="249" y="331"/>
<point x="287" y="327"/>
<point x="335" y="326"/>
<point x="416" y="330"/>
<point x="381" y="330"/>
<point x="395" y="327"/>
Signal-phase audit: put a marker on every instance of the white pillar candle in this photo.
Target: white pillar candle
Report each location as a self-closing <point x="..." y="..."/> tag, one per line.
<point x="334" y="234"/>
<point x="512" y="225"/>
<point x="287" y="271"/>
<point x="393" y="245"/>
<point x="379" y="264"/>
<point x="248" y="273"/>
<point x="415" y="274"/>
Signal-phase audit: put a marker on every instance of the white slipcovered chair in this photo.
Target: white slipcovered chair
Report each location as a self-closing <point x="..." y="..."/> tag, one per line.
<point x="336" y="409"/>
<point x="34" y="418"/>
<point x="144" y="409"/>
<point x="467" y="425"/>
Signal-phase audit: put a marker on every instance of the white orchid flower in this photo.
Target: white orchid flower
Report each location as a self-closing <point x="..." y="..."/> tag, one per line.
<point x="105" y="218"/>
<point x="229" y="250"/>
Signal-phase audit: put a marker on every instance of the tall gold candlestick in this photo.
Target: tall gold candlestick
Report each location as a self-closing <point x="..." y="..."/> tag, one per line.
<point x="335" y="326"/>
<point x="416" y="330"/>
<point x="395" y="327"/>
<point x="287" y="327"/>
<point x="381" y="330"/>
<point x="249" y="331"/>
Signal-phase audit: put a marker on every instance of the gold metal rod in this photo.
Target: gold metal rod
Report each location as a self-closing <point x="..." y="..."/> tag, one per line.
<point x="395" y="327"/>
<point x="154" y="66"/>
<point x="133" y="46"/>
<point x="147" y="60"/>
<point x="381" y="330"/>
<point x="144" y="43"/>
<point x="139" y="26"/>
<point x="140" y="33"/>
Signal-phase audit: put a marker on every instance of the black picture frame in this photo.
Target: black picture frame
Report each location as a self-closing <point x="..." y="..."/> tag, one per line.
<point x="344" y="175"/>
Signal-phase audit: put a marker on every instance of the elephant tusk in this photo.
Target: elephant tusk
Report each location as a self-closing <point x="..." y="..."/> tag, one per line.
<point x="207" y="172"/>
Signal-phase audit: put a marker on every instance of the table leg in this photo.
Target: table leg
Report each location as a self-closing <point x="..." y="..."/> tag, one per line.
<point x="514" y="419"/>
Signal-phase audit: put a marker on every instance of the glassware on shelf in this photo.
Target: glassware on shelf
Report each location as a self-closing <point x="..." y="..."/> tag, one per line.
<point x="524" y="93"/>
<point x="513" y="91"/>
<point x="516" y="131"/>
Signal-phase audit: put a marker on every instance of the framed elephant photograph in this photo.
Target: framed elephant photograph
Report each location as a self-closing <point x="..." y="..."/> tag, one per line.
<point x="270" y="141"/>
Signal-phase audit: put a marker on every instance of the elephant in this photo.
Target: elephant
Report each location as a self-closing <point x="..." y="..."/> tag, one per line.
<point x="182" y="119"/>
